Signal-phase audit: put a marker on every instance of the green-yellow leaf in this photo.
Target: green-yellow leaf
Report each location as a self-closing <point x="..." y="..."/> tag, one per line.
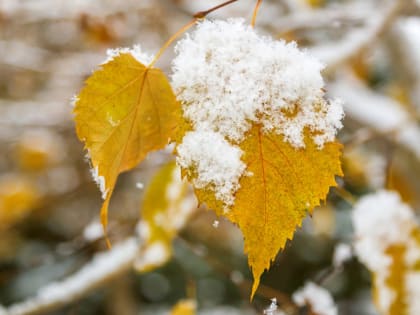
<point x="125" y="111"/>
<point x="285" y="183"/>
<point x="168" y="204"/>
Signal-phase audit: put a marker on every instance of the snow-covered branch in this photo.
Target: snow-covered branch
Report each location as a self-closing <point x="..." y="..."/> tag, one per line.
<point x="104" y="267"/>
<point x="335" y="54"/>
<point x="310" y="19"/>
<point x="377" y="111"/>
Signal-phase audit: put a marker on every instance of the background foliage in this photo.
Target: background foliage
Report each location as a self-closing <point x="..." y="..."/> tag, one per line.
<point x="49" y="204"/>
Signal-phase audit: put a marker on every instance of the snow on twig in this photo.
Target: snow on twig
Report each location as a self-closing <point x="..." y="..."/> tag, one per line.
<point x="336" y="53"/>
<point x="378" y="111"/>
<point x="104" y="267"/>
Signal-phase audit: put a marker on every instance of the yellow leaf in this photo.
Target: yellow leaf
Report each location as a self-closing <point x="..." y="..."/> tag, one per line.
<point x="396" y="279"/>
<point x="168" y="204"/>
<point x="284" y="184"/>
<point x="184" y="307"/>
<point x="124" y="111"/>
<point x="315" y="3"/>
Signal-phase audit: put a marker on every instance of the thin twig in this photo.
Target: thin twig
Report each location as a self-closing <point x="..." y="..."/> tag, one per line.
<point x="198" y="16"/>
<point x="345" y="195"/>
<point x="203" y="14"/>
<point x="254" y="15"/>
<point x="171" y="39"/>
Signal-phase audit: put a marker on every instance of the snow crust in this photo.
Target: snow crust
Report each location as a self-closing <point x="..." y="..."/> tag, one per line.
<point x="317" y="298"/>
<point x="227" y="78"/>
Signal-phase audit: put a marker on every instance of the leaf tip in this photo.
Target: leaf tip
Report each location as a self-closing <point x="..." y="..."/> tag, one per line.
<point x="255" y="286"/>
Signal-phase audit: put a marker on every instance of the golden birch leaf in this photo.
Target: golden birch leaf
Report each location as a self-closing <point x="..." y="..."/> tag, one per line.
<point x="124" y="111"/>
<point x="283" y="185"/>
<point x="168" y="204"/>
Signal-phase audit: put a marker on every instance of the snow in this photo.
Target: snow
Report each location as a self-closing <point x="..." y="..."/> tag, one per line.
<point x="380" y="220"/>
<point x="217" y="163"/>
<point x="413" y="292"/>
<point x="317" y="298"/>
<point x="181" y="202"/>
<point x="93" y="231"/>
<point x="99" y="180"/>
<point x="153" y="255"/>
<point x="410" y="36"/>
<point x="342" y="253"/>
<point x="136" y="51"/>
<point x="226" y="76"/>
<point x="273" y="308"/>
<point x="377" y="111"/>
<point x="103" y="265"/>
<point x="407" y="41"/>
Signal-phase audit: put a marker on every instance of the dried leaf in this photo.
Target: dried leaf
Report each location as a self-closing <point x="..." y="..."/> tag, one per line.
<point x="124" y="111"/>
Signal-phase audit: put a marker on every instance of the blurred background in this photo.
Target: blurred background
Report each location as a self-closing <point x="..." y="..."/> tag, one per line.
<point x="49" y="205"/>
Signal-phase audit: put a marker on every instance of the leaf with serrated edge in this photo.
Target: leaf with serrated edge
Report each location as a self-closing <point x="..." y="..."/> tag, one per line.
<point x="125" y="111"/>
<point x="285" y="183"/>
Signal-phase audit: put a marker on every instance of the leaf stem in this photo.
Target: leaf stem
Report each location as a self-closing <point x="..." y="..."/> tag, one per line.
<point x="170" y="40"/>
<point x="198" y="16"/>
<point x="345" y="195"/>
<point x="254" y="15"/>
<point x="203" y="14"/>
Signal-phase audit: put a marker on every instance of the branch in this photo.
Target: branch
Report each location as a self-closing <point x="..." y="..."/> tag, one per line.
<point x="104" y="267"/>
<point x="379" y="112"/>
<point x="355" y="43"/>
<point x="404" y="45"/>
<point x="320" y="18"/>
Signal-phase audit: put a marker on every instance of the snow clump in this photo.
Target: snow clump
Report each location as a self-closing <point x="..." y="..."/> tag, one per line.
<point x="227" y="78"/>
